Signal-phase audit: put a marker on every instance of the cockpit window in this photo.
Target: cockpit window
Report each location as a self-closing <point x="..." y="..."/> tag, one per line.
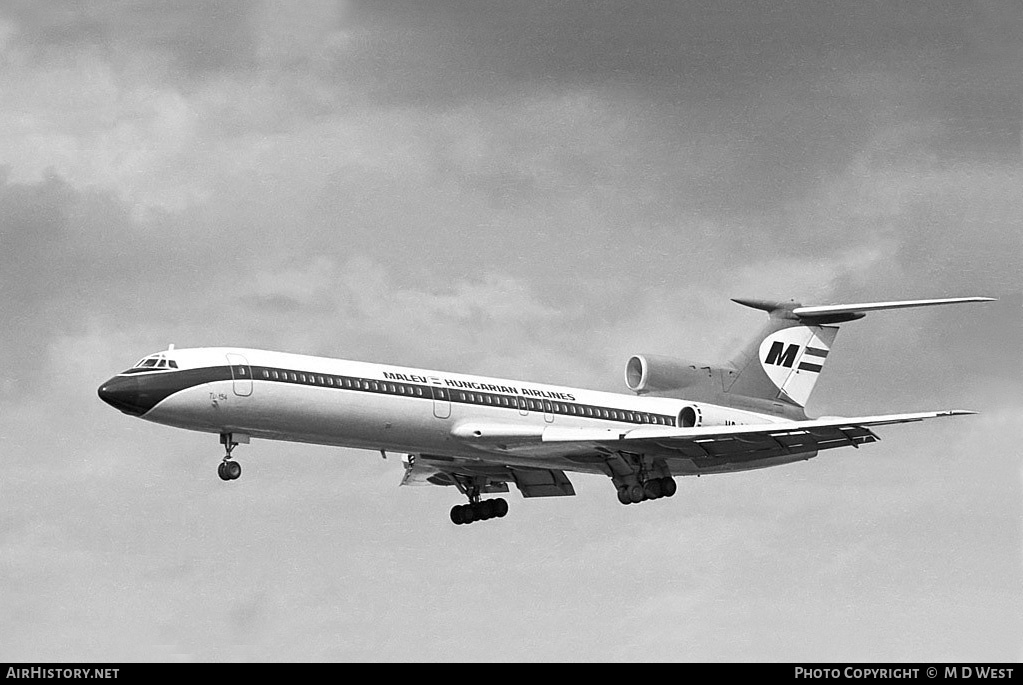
<point x="156" y="361"/>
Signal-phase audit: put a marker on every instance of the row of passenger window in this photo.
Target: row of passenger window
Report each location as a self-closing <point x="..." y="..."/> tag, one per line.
<point x="509" y="401"/>
<point x="342" y="382"/>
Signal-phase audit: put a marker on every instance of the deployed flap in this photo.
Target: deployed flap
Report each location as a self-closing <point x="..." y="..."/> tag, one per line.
<point x="542" y="482"/>
<point x="766" y="440"/>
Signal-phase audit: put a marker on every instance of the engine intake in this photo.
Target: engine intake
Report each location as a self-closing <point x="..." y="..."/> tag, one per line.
<point x="699" y="414"/>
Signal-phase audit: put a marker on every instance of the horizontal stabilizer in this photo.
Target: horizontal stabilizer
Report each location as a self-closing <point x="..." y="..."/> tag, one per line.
<point x="834" y="309"/>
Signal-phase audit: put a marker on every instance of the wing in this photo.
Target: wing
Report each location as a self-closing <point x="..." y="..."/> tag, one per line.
<point x="688" y="450"/>
<point x="535" y="458"/>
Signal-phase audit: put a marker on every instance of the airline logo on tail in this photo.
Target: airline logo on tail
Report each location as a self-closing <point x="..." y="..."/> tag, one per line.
<point x="785" y="356"/>
<point x="793" y="358"/>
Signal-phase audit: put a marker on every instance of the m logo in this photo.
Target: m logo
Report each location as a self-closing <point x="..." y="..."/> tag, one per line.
<point x="777" y="356"/>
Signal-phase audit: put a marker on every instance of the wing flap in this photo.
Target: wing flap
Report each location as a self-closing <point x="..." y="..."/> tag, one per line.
<point x="753" y="441"/>
<point x="542" y="482"/>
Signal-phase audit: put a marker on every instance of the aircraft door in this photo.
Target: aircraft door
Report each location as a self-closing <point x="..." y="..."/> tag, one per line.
<point x="441" y="400"/>
<point x="241" y="374"/>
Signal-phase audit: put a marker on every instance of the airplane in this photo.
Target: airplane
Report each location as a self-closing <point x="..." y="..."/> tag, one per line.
<point x="479" y="434"/>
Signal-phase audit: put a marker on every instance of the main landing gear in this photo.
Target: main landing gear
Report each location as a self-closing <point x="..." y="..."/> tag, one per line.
<point x="479" y="511"/>
<point x="476" y="509"/>
<point x="638" y="478"/>
<point x="655" y="488"/>
<point x="229" y="470"/>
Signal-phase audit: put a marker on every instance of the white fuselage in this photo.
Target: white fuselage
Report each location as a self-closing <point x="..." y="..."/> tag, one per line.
<point x="281" y="396"/>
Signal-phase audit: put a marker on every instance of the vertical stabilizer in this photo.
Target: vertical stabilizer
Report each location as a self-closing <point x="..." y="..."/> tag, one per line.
<point x="784" y="362"/>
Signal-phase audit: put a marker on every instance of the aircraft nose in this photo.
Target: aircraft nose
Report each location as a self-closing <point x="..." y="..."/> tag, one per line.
<point x="122" y="393"/>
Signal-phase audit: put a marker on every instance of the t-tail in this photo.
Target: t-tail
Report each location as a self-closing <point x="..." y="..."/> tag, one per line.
<point x="777" y="370"/>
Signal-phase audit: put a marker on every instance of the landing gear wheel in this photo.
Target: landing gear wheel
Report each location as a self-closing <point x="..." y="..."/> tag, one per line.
<point x="229" y="470"/>
<point x="623" y="495"/>
<point x="487" y="509"/>
<point x="668" y="486"/>
<point x="456" y="515"/>
<point x="500" y="507"/>
<point x="637" y="494"/>
<point x="652" y="489"/>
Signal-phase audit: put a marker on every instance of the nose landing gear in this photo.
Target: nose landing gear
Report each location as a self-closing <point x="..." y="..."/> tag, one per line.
<point x="230" y="470"/>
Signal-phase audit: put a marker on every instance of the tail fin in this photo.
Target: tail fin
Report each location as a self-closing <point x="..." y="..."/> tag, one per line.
<point x="785" y="360"/>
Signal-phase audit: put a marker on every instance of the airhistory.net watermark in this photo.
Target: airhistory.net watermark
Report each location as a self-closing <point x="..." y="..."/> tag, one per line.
<point x="63" y="673"/>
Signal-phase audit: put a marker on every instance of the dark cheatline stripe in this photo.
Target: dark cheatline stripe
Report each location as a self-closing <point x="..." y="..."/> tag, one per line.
<point x="137" y="394"/>
<point x="146" y="391"/>
<point x="806" y="366"/>
<point x="816" y="351"/>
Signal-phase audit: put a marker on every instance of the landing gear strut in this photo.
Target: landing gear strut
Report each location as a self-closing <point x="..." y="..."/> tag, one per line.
<point x="477" y="509"/>
<point x="229" y="470"/>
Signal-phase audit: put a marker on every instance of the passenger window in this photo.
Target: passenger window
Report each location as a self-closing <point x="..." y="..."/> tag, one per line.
<point x="294" y="376"/>
<point x="241" y="370"/>
<point x="266" y="374"/>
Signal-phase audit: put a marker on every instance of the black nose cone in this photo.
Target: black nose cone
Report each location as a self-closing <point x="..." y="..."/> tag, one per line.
<point x="122" y="392"/>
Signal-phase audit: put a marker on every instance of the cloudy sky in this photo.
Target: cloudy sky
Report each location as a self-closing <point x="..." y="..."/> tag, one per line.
<point x="518" y="189"/>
